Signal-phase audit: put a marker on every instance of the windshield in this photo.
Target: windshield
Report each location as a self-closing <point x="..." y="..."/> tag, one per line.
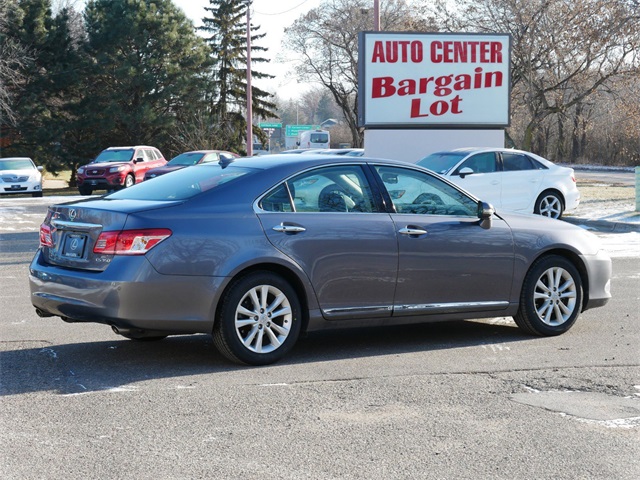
<point x="115" y="156"/>
<point x="182" y="184"/>
<point x="16" y="164"/>
<point x="442" y="162"/>
<point x="186" y="159"/>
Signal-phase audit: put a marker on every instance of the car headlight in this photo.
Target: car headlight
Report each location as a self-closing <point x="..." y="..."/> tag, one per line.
<point x="117" y="169"/>
<point x="81" y="170"/>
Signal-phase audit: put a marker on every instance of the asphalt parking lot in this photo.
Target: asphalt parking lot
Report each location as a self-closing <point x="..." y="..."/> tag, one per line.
<point x="472" y="400"/>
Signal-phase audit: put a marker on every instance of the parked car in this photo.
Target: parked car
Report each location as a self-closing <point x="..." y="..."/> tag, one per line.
<point x="256" y="251"/>
<point x="188" y="159"/>
<point x="511" y="180"/>
<point x="118" y="167"/>
<point x="20" y="175"/>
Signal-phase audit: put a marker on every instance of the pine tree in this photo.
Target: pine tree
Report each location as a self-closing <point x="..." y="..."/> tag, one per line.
<point x="51" y="83"/>
<point x="148" y="68"/>
<point x="227" y="95"/>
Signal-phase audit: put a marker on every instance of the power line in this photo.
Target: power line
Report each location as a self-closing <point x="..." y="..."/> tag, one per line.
<point x="281" y="13"/>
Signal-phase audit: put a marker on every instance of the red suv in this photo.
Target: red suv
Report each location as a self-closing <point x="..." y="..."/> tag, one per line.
<point x="118" y="167"/>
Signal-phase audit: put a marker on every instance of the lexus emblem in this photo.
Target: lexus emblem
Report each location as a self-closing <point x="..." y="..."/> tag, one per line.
<point x="72" y="214"/>
<point x="74" y="244"/>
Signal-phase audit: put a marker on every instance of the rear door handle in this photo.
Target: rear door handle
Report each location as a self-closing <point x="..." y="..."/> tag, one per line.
<point x="289" y="229"/>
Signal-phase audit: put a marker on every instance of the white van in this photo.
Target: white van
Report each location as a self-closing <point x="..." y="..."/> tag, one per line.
<point x="314" y="139"/>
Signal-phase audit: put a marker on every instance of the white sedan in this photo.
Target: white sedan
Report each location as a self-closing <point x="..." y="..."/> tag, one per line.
<point x="20" y="175"/>
<point x="512" y="180"/>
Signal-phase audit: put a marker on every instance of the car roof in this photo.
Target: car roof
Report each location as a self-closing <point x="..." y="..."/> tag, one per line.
<point x="129" y="147"/>
<point x="206" y="151"/>
<point x="307" y="160"/>
<point x="15" y="158"/>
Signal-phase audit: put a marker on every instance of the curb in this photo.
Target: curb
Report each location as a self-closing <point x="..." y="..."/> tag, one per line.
<point x="604" y="225"/>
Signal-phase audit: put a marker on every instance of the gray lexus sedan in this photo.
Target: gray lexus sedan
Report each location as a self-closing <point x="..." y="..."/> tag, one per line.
<point x="257" y="251"/>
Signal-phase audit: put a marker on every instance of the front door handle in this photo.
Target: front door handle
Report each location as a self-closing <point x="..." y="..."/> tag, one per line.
<point x="289" y="228"/>
<point x="412" y="231"/>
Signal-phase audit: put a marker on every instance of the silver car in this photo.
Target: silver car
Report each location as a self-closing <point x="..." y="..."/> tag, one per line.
<point x="259" y="250"/>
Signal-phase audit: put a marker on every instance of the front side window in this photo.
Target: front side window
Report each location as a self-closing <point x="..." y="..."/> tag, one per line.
<point x="335" y="189"/>
<point x="416" y="192"/>
<point x="479" y="163"/>
<point x="210" y="157"/>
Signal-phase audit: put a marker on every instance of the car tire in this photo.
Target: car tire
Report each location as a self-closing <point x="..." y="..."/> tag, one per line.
<point x="129" y="181"/>
<point x="551" y="297"/>
<point x="549" y="204"/>
<point x="259" y="318"/>
<point x="85" y="190"/>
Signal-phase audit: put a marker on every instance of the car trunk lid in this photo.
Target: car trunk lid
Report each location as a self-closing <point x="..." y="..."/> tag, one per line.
<point x="70" y="232"/>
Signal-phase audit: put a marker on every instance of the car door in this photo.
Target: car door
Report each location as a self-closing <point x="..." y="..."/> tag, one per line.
<point x="520" y="182"/>
<point x="328" y="222"/>
<point x="448" y="262"/>
<point x="486" y="180"/>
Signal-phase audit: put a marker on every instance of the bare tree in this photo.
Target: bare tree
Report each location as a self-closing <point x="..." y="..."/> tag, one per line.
<point x="563" y="53"/>
<point x="13" y="59"/>
<point x="325" y="44"/>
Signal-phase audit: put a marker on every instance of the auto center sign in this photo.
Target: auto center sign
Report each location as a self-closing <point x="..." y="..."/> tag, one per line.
<point x="419" y="80"/>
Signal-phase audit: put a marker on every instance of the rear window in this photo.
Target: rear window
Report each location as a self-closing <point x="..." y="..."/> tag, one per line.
<point x="186" y="159"/>
<point x="319" y="138"/>
<point x="182" y="184"/>
<point x="114" y="156"/>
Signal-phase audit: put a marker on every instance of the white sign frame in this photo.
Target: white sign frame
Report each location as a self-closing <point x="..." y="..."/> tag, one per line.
<point x="434" y="80"/>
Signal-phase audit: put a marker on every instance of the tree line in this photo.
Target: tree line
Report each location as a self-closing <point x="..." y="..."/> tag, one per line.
<point x="123" y="72"/>
<point x="575" y="65"/>
<point x="138" y="71"/>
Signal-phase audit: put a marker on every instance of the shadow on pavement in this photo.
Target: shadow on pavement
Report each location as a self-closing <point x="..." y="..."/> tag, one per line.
<point x="97" y="366"/>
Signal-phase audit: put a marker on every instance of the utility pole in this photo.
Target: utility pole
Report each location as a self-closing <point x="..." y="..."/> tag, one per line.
<point x="376" y="15"/>
<point x="249" y="96"/>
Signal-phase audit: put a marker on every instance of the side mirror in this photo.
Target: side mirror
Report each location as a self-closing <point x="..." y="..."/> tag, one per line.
<point x="485" y="214"/>
<point x="138" y="160"/>
<point x="465" y="171"/>
<point x="40" y="168"/>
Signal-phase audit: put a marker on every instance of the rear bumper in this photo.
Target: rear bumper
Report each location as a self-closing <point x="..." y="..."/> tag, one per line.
<point x="130" y="293"/>
<point x="572" y="200"/>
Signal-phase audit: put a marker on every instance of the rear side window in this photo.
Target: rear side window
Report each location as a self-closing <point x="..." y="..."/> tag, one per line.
<point x="182" y="184"/>
<point x="334" y="189"/>
<point x="514" y="162"/>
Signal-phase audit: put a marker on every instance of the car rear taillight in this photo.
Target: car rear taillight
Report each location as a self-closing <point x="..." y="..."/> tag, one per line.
<point x="130" y="242"/>
<point x="573" y="177"/>
<point x="46" y="240"/>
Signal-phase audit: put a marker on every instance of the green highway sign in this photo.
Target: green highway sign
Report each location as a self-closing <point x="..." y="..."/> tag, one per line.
<point x="270" y="125"/>
<point x="294" y="130"/>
